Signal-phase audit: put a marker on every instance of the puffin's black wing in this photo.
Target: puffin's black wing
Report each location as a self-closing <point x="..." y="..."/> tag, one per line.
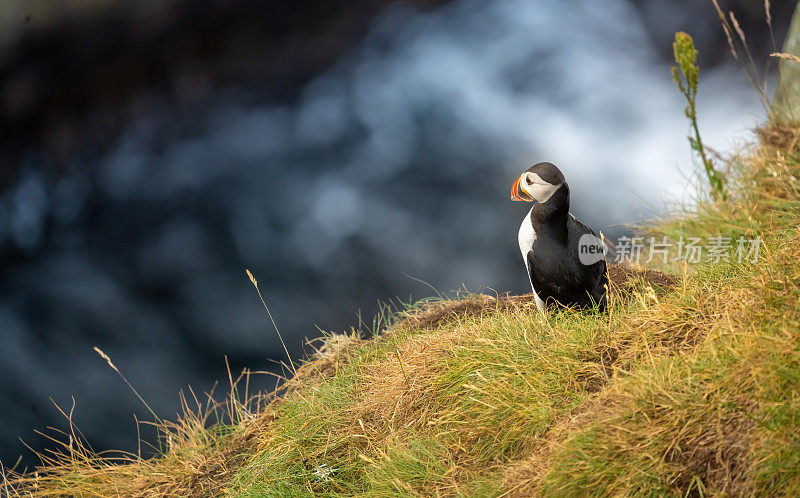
<point x="593" y="277"/>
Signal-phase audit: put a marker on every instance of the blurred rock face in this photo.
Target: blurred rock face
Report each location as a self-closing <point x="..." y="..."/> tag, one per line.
<point x="392" y="162"/>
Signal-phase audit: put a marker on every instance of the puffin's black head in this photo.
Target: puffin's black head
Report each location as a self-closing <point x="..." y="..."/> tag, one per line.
<point x="539" y="183"/>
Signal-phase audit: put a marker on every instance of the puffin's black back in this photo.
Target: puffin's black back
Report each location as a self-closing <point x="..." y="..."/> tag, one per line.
<point x="558" y="274"/>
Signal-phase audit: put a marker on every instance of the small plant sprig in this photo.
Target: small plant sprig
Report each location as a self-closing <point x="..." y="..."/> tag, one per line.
<point x="686" y="75"/>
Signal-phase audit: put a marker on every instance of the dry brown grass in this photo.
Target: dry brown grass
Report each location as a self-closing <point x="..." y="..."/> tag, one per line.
<point x="623" y="280"/>
<point x="200" y="455"/>
<point x="783" y="137"/>
<point x="331" y="353"/>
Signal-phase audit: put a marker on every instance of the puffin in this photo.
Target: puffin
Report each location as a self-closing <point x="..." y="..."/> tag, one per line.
<point x="563" y="257"/>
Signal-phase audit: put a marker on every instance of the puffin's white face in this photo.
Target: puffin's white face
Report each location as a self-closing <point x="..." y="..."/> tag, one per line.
<point x="531" y="187"/>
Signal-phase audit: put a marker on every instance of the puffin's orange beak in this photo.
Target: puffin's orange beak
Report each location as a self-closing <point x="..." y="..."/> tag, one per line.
<point x="515" y="193"/>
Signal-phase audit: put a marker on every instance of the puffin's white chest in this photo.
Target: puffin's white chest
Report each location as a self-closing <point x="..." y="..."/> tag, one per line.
<point x="526" y="236"/>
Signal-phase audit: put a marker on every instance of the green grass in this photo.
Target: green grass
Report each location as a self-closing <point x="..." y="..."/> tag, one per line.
<point x="689" y="391"/>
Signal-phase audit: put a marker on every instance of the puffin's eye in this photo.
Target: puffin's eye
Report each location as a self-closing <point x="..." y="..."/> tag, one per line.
<point x="528" y="180"/>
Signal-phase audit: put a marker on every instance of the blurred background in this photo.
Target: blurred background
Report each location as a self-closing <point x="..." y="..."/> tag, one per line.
<point x="151" y="150"/>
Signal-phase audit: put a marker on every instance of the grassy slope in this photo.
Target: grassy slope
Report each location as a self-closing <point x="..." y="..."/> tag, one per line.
<point x="691" y="391"/>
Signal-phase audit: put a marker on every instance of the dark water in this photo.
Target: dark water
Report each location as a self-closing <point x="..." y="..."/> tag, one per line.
<point x="394" y="162"/>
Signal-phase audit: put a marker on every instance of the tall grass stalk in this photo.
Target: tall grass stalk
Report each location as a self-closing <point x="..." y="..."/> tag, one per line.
<point x="686" y="75"/>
